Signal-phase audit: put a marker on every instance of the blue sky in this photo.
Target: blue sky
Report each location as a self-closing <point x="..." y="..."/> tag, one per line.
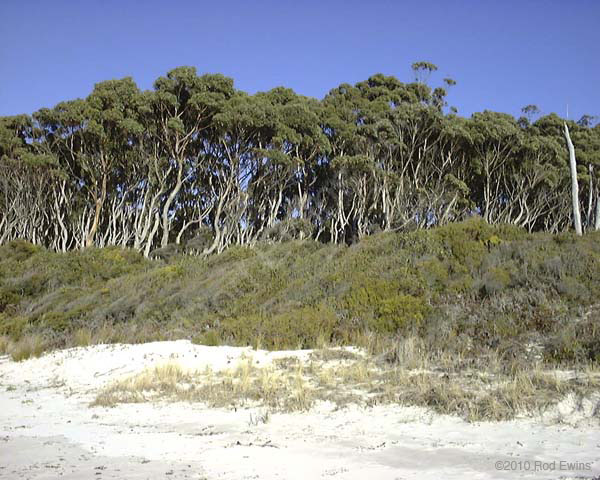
<point x="504" y="54"/>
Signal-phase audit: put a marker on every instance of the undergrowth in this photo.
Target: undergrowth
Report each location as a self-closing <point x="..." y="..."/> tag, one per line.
<point x="465" y="290"/>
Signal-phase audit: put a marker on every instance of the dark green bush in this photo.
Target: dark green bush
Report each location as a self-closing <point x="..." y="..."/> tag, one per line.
<point x="18" y="250"/>
<point x="304" y="327"/>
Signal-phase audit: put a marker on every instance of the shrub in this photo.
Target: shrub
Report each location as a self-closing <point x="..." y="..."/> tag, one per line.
<point x="202" y="240"/>
<point x="495" y="280"/>
<point x="234" y="253"/>
<point x="382" y="306"/>
<point x="572" y="289"/>
<point x="166" y="253"/>
<point x="8" y="297"/>
<point x="13" y="326"/>
<point x="5" y="344"/>
<point x="299" y="328"/>
<point x="19" y="250"/>
<point x="209" y="338"/>
<point x="465" y="289"/>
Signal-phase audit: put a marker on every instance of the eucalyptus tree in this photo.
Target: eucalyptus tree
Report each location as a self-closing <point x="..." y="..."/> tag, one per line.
<point x="533" y="184"/>
<point x="301" y="139"/>
<point x="343" y="116"/>
<point x="496" y="142"/>
<point x="22" y="205"/>
<point x="114" y="128"/>
<point x="552" y="127"/>
<point x="385" y="141"/>
<point x="574" y="182"/>
<point x="234" y="144"/>
<point x="586" y="140"/>
<point x="422" y="70"/>
<point x="62" y="130"/>
<point x="90" y="138"/>
<point x="448" y="177"/>
<point x="183" y="105"/>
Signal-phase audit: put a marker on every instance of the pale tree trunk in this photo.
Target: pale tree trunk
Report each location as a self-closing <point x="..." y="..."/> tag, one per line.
<point x="597" y="224"/>
<point x="98" y="210"/>
<point x="574" y="184"/>
<point x="150" y="240"/>
<point x="166" y="221"/>
<point x="588" y="216"/>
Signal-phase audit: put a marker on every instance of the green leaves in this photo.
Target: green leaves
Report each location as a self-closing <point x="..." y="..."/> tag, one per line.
<point x="194" y="153"/>
<point x="176" y="125"/>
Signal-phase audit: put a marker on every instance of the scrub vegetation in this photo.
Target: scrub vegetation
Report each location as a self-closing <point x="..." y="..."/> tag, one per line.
<point x="466" y="290"/>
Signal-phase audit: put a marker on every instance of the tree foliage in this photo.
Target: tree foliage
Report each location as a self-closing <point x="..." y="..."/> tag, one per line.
<point x="196" y="158"/>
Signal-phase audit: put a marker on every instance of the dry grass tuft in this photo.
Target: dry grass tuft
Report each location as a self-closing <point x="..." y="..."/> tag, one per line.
<point x="5" y="344"/>
<point x="410" y="352"/>
<point x="83" y="337"/>
<point x="164" y="381"/>
<point x="27" y="347"/>
<point x="243" y="385"/>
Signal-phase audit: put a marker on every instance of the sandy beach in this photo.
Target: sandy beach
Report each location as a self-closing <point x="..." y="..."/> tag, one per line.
<point x="48" y="430"/>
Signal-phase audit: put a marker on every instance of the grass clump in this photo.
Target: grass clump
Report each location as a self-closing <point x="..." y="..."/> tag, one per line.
<point x="242" y="385"/>
<point x="342" y="378"/>
<point x="5" y="344"/>
<point x="162" y="381"/>
<point x="27" y="347"/>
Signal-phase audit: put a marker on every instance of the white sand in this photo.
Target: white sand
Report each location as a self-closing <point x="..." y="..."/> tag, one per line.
<point x="48" y="431"/>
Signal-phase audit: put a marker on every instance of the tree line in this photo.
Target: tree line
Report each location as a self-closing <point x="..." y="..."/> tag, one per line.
<point x="195" y="161"/>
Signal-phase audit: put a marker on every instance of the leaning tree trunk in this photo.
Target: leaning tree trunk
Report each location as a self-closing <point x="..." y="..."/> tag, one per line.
<point x="165" y="213"/>
<point x="89" y="241"/>
<point x="574" y="184"/>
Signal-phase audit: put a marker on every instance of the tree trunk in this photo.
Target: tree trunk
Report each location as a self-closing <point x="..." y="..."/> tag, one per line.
<point x="165" y="213"/>
<point x="98" y="209"/>
<point x="574" y="184"/>
<point x="597" y="224"/>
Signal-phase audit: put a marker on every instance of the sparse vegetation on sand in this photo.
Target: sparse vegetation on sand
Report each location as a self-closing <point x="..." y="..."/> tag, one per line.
<point x="343" y="377"/>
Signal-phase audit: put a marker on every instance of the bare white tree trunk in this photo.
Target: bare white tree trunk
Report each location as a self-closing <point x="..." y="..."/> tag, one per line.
<point x="597" y="224"/>
<point x="574" y="184"/>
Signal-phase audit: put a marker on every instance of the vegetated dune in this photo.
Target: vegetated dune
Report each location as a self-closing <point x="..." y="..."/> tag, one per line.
<point x="52" y="422"/>
<point x="467" y="289"/>
<point x="435" y="354"/>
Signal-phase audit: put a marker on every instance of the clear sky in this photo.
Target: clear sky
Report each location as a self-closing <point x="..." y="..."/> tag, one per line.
<point x="504" y="54"/>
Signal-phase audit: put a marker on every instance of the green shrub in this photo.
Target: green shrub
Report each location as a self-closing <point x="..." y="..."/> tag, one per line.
<point x="298" y="328"/>
<point x="467" y="288"/>
<point x="18" y="250"/>
<point x="382" y="306"/>
<point x="495" y="280"/>
<point x="210" y="338"/>
<point x="234" y="253"/>
<point x="8" y="297"/>
<point x="13" y="326"/>
<point x="572" y="289"/>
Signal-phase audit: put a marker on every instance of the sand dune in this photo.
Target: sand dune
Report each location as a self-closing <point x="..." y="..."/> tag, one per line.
<point x="48" y="430"/>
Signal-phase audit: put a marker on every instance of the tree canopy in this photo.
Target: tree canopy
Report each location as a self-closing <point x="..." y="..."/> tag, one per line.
<point x="195" y="158"/>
